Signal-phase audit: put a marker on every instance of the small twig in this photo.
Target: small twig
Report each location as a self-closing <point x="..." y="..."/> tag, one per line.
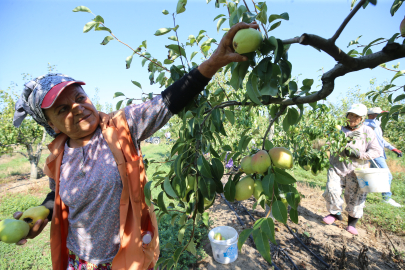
<point x="224" y="91"/>
<point x="280" y="112"/>
<point x="178" y="43"/>
<point x="264" y="28"/>
<point x="391" y="242"/>
<point x="388" y="68"/>
<point x="346" y="21"/>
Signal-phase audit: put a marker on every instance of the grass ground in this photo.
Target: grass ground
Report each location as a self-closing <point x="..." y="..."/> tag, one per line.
<point x="36" y="253"/>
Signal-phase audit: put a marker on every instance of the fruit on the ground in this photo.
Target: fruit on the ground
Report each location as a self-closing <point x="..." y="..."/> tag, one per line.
<point x="307" y="167"/>
<point x="33" y="214"/>
<point x="13" y="230"/>
<point x="246" y="165"/>
<point x="247" y="40"/>
<point x="258" y="189"/>
<point x="314" y="173"/>
<point x="218" y="236"/>
<point x="244" y="188"/>
<point x="281" y="157"/>
<point x="261" y="161"/>
<point x="402" y="27"/>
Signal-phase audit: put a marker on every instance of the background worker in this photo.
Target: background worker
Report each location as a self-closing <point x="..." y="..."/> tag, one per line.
<point x="362" y="147"/>
<point x="375" y="124"/>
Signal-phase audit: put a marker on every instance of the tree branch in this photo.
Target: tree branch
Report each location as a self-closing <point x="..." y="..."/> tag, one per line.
<point x="280" y="112"/>
<point x="346" y="21"/>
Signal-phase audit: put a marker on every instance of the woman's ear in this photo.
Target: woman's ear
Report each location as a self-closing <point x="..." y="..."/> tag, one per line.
<point x="53" y="127"/>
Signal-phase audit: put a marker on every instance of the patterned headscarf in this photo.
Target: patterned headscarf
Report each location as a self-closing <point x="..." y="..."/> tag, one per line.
<point x="32" y="97"/>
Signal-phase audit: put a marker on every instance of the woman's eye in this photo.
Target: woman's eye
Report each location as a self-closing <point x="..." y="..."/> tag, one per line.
<point x="62" y="110"/>
<point x="81" y="98"/>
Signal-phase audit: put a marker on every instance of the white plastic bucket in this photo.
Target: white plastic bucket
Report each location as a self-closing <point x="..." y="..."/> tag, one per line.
<point x="224" y="251"/>
<point x="373" y="179"/>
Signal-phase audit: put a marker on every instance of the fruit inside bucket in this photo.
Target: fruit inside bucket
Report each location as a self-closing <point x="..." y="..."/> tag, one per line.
<point x="373" y="179"/>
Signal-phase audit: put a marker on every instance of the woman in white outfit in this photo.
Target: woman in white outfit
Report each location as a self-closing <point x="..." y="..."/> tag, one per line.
<point x="362" y="147"/>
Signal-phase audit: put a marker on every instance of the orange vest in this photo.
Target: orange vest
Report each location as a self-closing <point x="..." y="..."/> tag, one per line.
<point x="136" y="217"/>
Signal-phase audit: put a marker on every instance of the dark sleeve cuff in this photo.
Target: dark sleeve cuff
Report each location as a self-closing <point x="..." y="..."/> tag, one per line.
<point x="49" y="203"/>
<point x="181" y="92"/>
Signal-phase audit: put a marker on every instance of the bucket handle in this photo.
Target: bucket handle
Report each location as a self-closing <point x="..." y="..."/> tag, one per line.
<point x="376" y="165"/>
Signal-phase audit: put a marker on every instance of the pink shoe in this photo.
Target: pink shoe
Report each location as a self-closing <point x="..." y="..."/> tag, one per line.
<point x="328" y="220"/>
<point x="352" y="230"/>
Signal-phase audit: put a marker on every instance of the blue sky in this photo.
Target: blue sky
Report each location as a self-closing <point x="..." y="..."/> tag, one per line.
<point x="38" y="32"/>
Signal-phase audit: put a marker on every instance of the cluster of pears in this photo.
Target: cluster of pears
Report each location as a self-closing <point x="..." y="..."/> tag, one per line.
<point x="260" y="163"/>
<point x="13" y="230"/>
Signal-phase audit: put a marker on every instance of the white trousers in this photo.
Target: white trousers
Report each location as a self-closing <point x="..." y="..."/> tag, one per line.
<point x="354" y="197"/>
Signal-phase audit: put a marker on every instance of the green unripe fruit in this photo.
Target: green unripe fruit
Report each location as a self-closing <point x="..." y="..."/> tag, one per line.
<point x="33" y="214"/>
<point x="258" y="189"/>
<point x="246" y="165"/>
<point x="218" y="236"/>
<point x="261" y="162"/>
<point x="13" y="230"/>
<point x="244" y="188"/>
<point x="281" y="157"/>
<point x="247" y="40"/>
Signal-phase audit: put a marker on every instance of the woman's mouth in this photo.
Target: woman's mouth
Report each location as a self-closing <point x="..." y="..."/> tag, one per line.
<point x="84" y="118"/>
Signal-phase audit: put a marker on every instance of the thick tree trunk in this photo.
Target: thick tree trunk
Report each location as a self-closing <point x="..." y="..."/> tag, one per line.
<point x="34" y="170"/>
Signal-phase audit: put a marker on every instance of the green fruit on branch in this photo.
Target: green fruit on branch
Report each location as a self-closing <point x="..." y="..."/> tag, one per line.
<point x="247" y="40"/>
<point x="281" y="157"/>
<point x="338" y="127"/>
<point x="13" y="230"/>
<point x="284" y="201"/>
<point x="401" y="28"/>
<point x="244" y="188"/>
<point x="261" y="162"/>
<point x="246" y="165"/>
<point x="258" y="189"/>
<point x="33" y="214"/>
<point x="218" y="236"/>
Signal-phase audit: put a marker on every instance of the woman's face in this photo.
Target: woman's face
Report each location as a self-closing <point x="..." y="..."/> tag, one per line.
<point x="353" y="119"/>
<point x="73" y="114"/>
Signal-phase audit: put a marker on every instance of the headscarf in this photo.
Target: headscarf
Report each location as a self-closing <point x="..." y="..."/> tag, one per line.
<point x="32" y="97"/>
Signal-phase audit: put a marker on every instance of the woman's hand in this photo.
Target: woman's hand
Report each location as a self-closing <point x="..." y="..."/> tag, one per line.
<point x="225" y="53"/>
<point x="34" y="231"/>
<point x="352" y="152"/>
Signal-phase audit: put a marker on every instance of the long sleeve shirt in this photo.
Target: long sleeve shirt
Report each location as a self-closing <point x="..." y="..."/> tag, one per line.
<point x="375" y="124"/>
<point x="368" y="147"/>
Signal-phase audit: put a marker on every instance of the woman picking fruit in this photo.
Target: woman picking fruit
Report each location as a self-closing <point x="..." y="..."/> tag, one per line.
<point x="99" y="216"/>
<point x="362" y="147"/>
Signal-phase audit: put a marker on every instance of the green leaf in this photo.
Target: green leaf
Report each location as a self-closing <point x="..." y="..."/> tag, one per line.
<point x="292" y="116"/>
<point x="98" y="19"/>
<point x="204" y="167"/>
<point x="147" y="192"/>
<point x="219" y="16"/>
<point x="81" y="9"/>
<point x="168" y="188"/>
<point x="395" y="6"/>
<point x="294" y="215"/>
<point x="118" y="94"/>
<point x="191" y="248"/>
<point x="283" y="177"/>
<point x="262" y="244"/>
<point x="165" y="12"/>
<point x="279" y="51"/>
<point x="274" y="26"/>
<point x="243" y="236"/>
<point x="230" y="116"/>
<point x="399" y="98"/>
<point x="177" y="254"/>
<point x="267" y="227"/>
<point x="128" y="61"/>
<point x="220" y="22"/>
<point x="217" y="168"/>
<point x="177" y="49"/>
<point x="207" y="187"/>
<point x="248" y="17"/>
<point x="206" y="218"/>
<point x="180" y="235"/>
<point x="279" y="211"/>
<point x="238" y="75"/>
<point x="162" y="31"/>
<point x="230" y="190"/>
<point x="181" y="6"/>
<point x="106" y="40"/>
<point x="268" y="145"/>
<point x="192" y="55"/>
<point x="252" y="90"/>
<point x="161" y="202"/>
<point x="397" y="75"/>
<point x="283" y="16"/>
<point x="118" y="106"/>
<point x="268" y="183"/>
<point x="308" y="82"/>
<point x="88" y="26"/>
<point x="293" y="199"/>
<point x="227" y="148"/>
<point x="137" y="84"/>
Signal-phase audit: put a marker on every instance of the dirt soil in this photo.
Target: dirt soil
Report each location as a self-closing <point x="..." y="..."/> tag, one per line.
<point x="371" y="249"/>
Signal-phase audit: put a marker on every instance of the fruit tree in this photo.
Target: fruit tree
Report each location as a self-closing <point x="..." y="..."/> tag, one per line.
<point x="260" y="89"/>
